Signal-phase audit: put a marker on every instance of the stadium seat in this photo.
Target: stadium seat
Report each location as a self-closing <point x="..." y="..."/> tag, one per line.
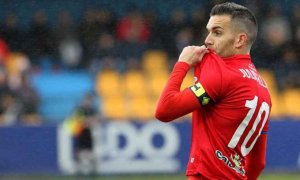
<point x="154" y="60"/>
<point x="291" y="101"/>
<point x="60" y="93"/>
<point x="108" y="83"/>
<point x="134" y="83"/>
<point x="114" y="108"/>
<point x="141" y="108"/>
<point x="157" y="83"/>
<point x="277" y="106"/>
<point x="268" y="76"/>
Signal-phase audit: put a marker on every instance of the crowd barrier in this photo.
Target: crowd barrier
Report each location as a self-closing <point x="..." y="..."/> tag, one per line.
<point x="127" y="147"/>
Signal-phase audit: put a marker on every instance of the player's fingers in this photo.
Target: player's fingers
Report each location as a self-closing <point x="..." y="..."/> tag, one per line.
<point x="201" y="50"/>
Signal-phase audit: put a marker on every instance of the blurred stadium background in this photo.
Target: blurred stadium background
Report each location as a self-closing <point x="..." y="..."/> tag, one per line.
<point x="79" y="81"/>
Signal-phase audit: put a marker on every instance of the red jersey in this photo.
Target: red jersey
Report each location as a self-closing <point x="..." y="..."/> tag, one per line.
<point x="232" y="112"/>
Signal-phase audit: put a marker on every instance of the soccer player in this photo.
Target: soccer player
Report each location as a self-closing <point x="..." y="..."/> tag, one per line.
<point x="230" y="101"/>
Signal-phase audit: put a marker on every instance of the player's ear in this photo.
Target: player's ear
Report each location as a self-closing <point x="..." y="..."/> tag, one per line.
<point x="241" y="40"/>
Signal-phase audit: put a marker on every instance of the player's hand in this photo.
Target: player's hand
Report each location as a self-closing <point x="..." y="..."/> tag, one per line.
<point x="192" y="54"/>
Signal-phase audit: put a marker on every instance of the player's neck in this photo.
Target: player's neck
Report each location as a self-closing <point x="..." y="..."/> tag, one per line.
<point x="243" y="51"/>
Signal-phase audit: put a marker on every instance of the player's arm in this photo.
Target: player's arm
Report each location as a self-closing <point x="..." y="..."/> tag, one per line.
<point x="173" y="103"/>
<point x="256" y="159"/>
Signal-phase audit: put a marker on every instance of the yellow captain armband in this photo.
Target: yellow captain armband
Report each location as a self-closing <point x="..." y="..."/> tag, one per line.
<point x="200" y="93"/>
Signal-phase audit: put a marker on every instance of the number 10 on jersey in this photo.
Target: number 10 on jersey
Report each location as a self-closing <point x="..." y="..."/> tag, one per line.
<point x="252" y="104"/>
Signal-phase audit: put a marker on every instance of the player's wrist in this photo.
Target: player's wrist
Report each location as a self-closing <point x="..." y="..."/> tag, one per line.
<point x="184" y="61"/>
<point x="184" y="65"/>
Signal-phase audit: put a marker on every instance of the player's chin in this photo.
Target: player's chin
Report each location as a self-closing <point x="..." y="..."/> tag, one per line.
<point x="220" y="52"/>
<point x="211" y="48"/>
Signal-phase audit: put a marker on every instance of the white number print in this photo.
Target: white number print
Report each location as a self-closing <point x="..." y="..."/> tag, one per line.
<point x="252" y="104"/>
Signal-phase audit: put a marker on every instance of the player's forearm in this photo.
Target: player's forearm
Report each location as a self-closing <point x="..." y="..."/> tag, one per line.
<point x="173" y="103"/>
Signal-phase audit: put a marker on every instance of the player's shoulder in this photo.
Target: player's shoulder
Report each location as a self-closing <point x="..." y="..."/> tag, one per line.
<point x="211" y="59"/>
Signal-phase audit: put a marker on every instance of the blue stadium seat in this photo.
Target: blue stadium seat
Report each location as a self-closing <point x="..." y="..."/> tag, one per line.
<point x="60" y="93"/>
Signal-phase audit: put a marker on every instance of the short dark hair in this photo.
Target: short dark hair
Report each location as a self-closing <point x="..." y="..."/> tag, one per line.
<point x="241" y="15"/>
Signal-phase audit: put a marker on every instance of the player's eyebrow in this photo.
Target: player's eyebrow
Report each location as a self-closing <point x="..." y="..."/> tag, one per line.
<point x="215" y="28"/>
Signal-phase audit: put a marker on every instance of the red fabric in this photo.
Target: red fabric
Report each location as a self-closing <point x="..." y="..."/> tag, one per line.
<point x="237" y="92"/>
<point x="127" y="28"/>
<point x="4" y="51"/>
<point x="173" y="103"/>
<point x="256" y="160"/>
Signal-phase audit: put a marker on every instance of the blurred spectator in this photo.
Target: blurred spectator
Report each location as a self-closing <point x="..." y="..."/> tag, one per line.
<point x="4" y="52"/>
<point x="176" y="23"/>
<point x="275" y="32"/>
<point x="133" y="33"/>
<point x="29" y="100"/>
<point x="9" y="107"/>
<point x="257" y="7"/>
<point x="41" y="40"/>
<point x="70" y="51"/>
<point x="13" y="34"/>
<point x="156" y="30"/>
<point x="83" y="119"/>
<point x="20" y="100"/>
<point x="88" y="31"/>
<point x="297" y="40"/>
<point x="67" y="41"/>
<point x="105" y="20"/>
<point x="131" y="53"/>
<point x="94" y="23"/>
<point x="65" y="27"/>
<point x="3" y="80"/>
<point x="183" y="38"/>
<point x="199" y="21"/>
<point x="287" y="70"/>
<point x="133" y="28"/>
<point x="17" y="65"/>
<point x="295" y="21"/>
<point x="106" y="54"/>
<point x="295" y="17"/>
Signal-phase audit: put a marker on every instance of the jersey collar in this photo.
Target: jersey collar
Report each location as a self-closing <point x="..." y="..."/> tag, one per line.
<point x="238" y="57"/>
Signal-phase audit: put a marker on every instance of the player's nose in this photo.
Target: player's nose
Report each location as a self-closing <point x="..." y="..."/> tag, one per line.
<point x="208" y="41"/>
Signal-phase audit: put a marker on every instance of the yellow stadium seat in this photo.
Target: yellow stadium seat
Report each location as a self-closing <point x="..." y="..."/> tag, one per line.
<point x="134" y="83"/>
<point x="108" y="83"/>
<point x="277" y="106"/>
<point x="155" y="60"/>
<point x="157" y="84"/>
<point x="17" y="63"/>
<point x="114" y="108"/>
<point x="141" y="108"/>
<point x="268" y="76"/>
<point x="291" y="101"/>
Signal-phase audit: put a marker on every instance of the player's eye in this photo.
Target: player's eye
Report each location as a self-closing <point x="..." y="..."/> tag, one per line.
<point x="217" y="33"/>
